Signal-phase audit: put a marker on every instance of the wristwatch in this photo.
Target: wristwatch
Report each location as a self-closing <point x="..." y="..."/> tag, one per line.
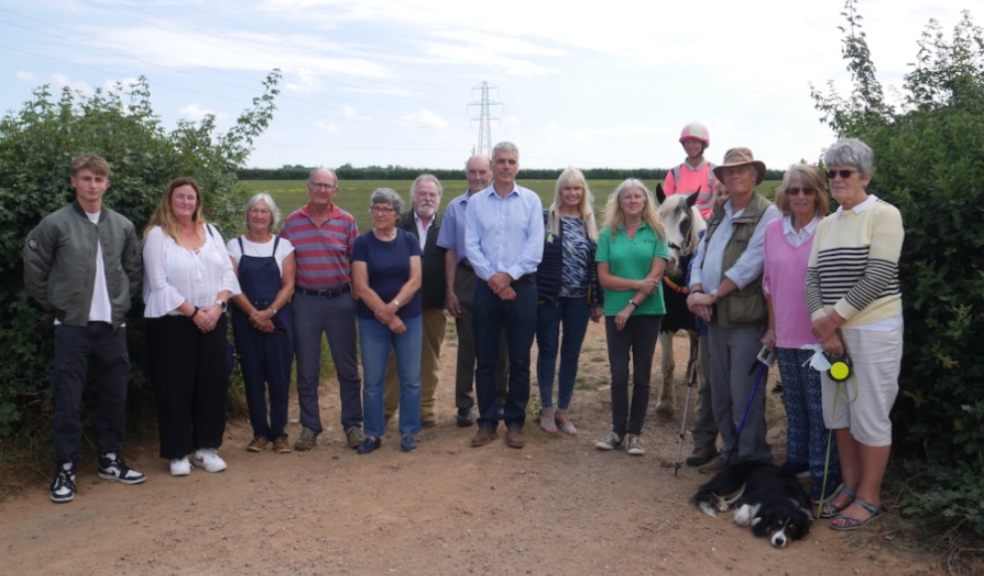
<point x="223" y="304"/>
<point x="714" y="294"/>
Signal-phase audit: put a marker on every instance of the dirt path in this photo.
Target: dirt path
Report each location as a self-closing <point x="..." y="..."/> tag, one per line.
<point x="557" y="507"/>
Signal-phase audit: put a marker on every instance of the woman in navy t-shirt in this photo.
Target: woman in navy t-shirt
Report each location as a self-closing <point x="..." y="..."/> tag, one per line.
<point x="385" y="284"/>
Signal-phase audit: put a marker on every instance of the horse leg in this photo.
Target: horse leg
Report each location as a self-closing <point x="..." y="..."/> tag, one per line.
<point x="665" y="407"/>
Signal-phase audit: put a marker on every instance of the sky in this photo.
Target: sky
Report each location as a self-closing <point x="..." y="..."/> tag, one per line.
<point x="398" y="82"/>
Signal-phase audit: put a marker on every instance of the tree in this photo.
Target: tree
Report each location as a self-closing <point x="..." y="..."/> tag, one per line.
<point x="929" y="152"/>
<point x="36" y="147"/>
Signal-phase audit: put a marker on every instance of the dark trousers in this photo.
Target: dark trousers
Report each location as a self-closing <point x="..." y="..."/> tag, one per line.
<point x="705" y="430"/>
<point x="190" y="377"/>
<point x="335" y="318"/>
<point x="518" y="318"/>
<point x="266" y="358"/>
<point x="637" y="338"/>
<point x="74" y="347"/>
<point x="464" y="289"/>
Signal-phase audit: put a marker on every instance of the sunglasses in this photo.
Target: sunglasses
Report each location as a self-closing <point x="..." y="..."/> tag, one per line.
<point x="844" y="174"/>
<point x="798" y="191"/>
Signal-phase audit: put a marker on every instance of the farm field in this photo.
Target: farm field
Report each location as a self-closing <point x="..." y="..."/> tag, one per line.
<point x="353" y="195"/>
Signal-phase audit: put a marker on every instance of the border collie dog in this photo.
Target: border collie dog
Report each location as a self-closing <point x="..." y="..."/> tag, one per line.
<point x="767" y="499"/>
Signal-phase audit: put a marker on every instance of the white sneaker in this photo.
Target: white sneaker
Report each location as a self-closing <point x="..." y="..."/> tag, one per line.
<point x="209" y="459"/>
<point x="610" y="442"/>
<point x="180" y="466"/>
<point x="635" y="445"/>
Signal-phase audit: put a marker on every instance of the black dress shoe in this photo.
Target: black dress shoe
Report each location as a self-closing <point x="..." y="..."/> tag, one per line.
<point x="369" y="444"/>
<point x="465" y="418"/>
<point x="702" y="455"/>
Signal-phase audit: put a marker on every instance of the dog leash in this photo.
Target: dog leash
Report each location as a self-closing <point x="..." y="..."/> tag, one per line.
<point x="762" y="368"/>
<point x="840" y="390"/>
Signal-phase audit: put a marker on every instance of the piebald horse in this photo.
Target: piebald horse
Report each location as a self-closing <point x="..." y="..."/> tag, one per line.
<point x="683" y="224"/>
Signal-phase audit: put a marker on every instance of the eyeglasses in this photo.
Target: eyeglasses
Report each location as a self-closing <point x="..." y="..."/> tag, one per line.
<point x="381" y="210"/>
<point x="324" y="185"/>
<point x="844" y="174"/>
<point x="798" y="191"/>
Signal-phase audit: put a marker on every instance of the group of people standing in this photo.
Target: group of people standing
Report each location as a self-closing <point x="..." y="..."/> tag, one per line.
<point x="785" y="275"/>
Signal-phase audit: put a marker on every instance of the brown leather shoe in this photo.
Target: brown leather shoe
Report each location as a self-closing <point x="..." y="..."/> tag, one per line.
<point x="514" y="437"/>
<point x="483" y="436"/>
<point x="716" y="464"/>
<point x="281" y="445"/>
<point x="258" y="444"/>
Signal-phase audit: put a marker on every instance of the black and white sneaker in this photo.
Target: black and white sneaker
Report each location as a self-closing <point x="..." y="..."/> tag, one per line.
<point x="63" y="486"/>
<point x="112" y="467"/>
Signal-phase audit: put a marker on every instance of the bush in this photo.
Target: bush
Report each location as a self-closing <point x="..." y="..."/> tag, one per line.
<point x="36" y="148"/>
<point x="929" y="158"/>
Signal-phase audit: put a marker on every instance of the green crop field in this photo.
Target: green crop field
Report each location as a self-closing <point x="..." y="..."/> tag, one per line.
<point x="353" y="195"/>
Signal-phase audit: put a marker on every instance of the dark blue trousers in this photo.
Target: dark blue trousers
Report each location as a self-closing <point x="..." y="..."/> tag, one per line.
<point x="518" y="317"/>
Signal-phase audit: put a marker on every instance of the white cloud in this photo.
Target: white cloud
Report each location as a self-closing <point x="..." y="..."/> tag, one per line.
<point x="63" y="81"/>
<point x="194" y="112"/>
<point x="229" y="49"/>
<point x="27" y="77"/>
<point x="425" y="119"/>
<point x="327" y="127"/>
<point x="348" y="111"/>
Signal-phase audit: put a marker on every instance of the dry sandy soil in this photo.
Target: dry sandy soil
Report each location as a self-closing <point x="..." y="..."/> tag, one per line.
<point x="556" y="507"/>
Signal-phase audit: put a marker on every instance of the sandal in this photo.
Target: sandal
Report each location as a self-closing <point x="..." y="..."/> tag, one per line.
<point x="831" y="510"/>
<point x="848" y="523"/>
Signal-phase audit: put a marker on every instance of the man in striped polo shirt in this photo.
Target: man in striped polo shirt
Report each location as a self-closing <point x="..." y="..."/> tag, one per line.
<point x="323" y="235"/>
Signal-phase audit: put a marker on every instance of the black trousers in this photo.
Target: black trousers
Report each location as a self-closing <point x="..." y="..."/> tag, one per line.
<point x="638" y="340"/>
<point x="188" y="371"/>
<point x="74" y="347"/>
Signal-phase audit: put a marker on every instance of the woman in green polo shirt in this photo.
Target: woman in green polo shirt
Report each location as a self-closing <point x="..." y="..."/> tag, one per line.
<point x="631" y="256"/>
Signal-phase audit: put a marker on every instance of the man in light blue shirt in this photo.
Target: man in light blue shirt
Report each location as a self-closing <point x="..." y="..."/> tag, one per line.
<point x="460" y="292"/>
<point x="504" y="244"/>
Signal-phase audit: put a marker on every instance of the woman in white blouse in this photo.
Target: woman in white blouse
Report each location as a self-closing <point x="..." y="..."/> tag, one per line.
<point x="188" y="280"/>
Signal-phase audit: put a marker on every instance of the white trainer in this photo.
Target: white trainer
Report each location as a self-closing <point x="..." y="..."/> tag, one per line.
<point x="209" y="459"/>
<point x="180" y="466"/>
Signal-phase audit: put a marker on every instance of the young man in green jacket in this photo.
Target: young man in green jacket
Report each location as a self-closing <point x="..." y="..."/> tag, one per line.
<point x="82" y="264"/>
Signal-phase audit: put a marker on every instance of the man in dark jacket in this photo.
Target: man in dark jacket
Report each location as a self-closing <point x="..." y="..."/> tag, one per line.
<point x="82" y="264"/>
<point x="424" y="222"/>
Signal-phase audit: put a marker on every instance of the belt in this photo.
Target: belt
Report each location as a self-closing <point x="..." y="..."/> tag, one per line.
<point x="525" y="279"/>
<point x="464" y="264"/>
<point x="330" y="293"/>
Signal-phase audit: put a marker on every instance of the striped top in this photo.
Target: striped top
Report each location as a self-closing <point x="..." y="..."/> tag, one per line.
<point x="322" y="252"/>
<point x="854" y="264"/>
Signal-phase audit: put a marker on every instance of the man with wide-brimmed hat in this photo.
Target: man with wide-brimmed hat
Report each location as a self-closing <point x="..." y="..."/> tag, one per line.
<point x="726" y="290"/>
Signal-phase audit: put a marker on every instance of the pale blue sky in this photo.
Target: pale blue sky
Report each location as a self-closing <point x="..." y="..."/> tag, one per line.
<point x="583" y="83"/>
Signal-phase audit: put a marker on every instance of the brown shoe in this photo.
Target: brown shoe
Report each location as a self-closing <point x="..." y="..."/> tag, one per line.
<point x="701" y="455"/>
<point x="258" y="444"/>
<point x="714" y="466"/>
<point x="483" y="436"/>
<point x="281" y="445"/>
<point x="514" y="437"/>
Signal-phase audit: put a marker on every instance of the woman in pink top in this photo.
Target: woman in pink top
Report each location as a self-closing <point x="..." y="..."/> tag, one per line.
<point x="802" y="198"/>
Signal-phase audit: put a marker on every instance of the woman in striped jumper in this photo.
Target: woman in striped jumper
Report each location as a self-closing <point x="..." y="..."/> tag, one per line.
<point x="852" y="289"/>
